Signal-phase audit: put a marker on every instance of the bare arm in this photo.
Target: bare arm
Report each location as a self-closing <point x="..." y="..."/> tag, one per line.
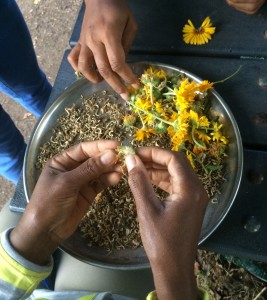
<point x="66" y="188"/>
<point x="169" y="229"/>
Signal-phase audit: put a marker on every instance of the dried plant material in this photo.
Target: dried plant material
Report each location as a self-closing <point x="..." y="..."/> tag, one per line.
<point x="111" y="222"/>
<point x="122" y="152"/>
<point x="223" y="279"/>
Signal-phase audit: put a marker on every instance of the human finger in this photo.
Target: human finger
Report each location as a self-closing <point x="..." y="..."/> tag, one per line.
<point x="155" y="156"/>
<point x="146" y="200"/>
<point x="87" y="66"/>
<point x="85" y="174"/>
<point x="115" y="48"/>
<point x="73" y="57"/>
<point x="162" y="158"/>
<point x="129" y="34"/>
<point x="182" y="175"/>
<point x="160" y="178"/>
<point x="105" y="70"/>
<point x="96" y="186"/>
<point x="75" y="155"/>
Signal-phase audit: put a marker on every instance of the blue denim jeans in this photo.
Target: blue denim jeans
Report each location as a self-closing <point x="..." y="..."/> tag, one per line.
<point x="22" y="80"/>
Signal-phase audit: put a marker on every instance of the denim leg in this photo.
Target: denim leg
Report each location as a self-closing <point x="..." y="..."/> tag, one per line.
<point x="21" y="79"/>
<point x="20" y="75"/>
<point x="12" y="148"/>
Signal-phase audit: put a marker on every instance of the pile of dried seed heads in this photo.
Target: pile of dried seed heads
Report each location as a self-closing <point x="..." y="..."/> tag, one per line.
<point x="111" y="222"/>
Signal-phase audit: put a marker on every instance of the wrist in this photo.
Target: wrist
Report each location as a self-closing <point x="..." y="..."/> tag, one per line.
<point x="175" y="281"/>
<point x="32" y="243"/>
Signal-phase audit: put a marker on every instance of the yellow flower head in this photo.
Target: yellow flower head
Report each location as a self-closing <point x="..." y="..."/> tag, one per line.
<point x="129" y="120"/>
<point x="198" y="36"/>
<point x="202" y="136"/>
<point x="143" y="133"/>
<point x="217" y="134"/>
<point x="190" y="158"/>
<point x="204" y="86"/>
<point x="185" y="94"/>
<point x="147" y="119"/>
<point x="161" y="74"/>
<point x="143" y="104"/>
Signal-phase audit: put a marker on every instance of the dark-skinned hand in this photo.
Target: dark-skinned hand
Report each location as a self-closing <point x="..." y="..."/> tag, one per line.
<point x="170" y="229"/>
<point x="65" y="189"/>
<point x="108" y="30"/>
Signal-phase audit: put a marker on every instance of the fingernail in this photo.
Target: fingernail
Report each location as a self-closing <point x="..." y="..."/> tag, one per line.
<point x="124" y="96"/>
<point x="130" y="162"/>
<point x="136" y="86"/>
<point x="107" y="158"/>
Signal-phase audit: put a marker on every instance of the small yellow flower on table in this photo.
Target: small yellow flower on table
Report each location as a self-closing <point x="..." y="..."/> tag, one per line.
<point x="198" y="36"/>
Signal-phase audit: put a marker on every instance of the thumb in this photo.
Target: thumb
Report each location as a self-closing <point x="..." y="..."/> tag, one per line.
<point x="141" y="187"/>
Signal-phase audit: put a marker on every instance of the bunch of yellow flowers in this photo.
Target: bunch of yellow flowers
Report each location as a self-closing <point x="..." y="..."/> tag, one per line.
<point x="178" y="107"/>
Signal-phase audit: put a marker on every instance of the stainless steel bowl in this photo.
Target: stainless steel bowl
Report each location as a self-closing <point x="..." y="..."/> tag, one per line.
<point x="135" y="258"/>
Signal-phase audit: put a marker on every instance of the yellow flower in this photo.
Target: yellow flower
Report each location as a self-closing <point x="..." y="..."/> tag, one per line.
<point x="147" y="119"/>
<point x="217" y="134"/>
<point x="197" y="149"/>
<point x="185" y="94"/>
<point x="160" y="109"/>
<point x="143" y="133"/>
<point x="174" y="116"/>
<point x="190" y="158"/>
<point x="179" y="137"/>
<point x="204" y="86"/>
<point x="202" y="136"/>
<point x="194" y="117"/>
<point x="188" y="90"/>
<point x="143" y="104"/>
<point x="198" y="36"/>
<point x="155" y="72"/>
<point x="149" y="71"/>
<point x="171" y="131"/>
<point x="129" y="120"/>
<point x="204" y="122"/>
<point x="161" y="74"/>
<point x="183" y="118"/>
<point x="224" y="139"/>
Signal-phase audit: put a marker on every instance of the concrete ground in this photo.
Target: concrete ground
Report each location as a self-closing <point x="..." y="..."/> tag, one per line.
<point x="50" y="23"/>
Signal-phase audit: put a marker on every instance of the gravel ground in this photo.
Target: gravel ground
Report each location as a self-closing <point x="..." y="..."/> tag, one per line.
<point x="50" y="23"/>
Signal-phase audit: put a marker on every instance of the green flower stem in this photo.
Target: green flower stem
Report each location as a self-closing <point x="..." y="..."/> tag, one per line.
<point x="152" y="115"/>
<point x="143" y="124"/>
<point x="195" y="140"/>
<point x="229" y="77"/>
<point x="169" y="93"/>
<point x="151" y="94"/>
<point x="201" y="163"/>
